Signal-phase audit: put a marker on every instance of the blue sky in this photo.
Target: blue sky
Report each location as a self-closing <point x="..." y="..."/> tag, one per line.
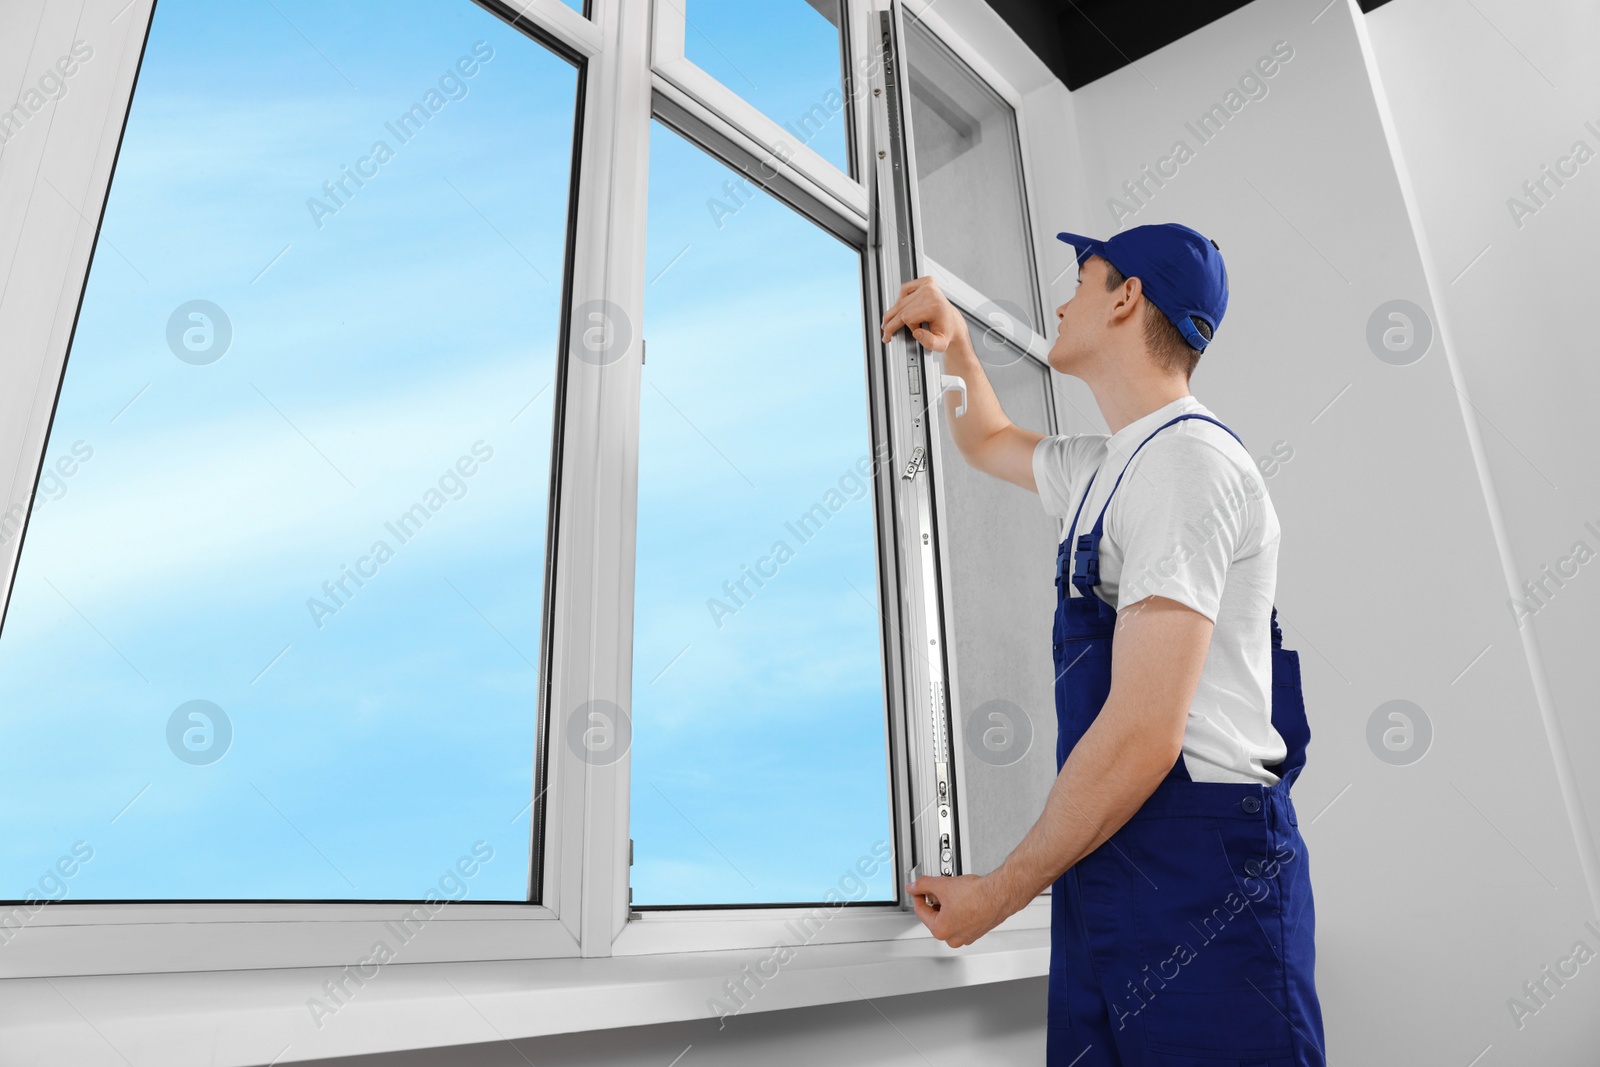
<point x="758" y="752"/>
<point x="413" y="330"/>
<point x="369" y="358"/>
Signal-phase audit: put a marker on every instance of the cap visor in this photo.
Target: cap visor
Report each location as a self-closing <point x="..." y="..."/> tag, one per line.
<point x="1085" y="246"/>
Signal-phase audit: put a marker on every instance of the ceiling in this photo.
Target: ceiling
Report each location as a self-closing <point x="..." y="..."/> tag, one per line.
<point x="1081" y="40"/>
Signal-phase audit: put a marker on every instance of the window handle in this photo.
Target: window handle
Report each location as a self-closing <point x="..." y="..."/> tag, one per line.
<point x="948" y="382"/>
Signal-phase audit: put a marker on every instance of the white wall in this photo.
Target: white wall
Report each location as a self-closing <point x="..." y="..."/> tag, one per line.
<point x="1441" y="885"/>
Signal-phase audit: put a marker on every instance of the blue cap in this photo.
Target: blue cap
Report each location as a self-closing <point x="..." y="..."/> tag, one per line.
<point x="1179" y="269"/>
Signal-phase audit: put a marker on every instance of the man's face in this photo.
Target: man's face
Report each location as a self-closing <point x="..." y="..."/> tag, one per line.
<point x="1081" y="321"/>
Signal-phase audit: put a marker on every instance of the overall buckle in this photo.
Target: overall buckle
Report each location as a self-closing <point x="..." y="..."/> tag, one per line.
<point x="1087" y="571"/>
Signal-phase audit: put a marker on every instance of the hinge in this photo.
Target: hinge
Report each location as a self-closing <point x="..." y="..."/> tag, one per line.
<point x="630" y="852"/>
<point x="644" y="348"/>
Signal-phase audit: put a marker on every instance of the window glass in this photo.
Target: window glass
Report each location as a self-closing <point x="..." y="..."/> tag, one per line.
<point x="759" y="760"/>
<point x="969" y="177"/>
<point x="1002" y="549"/>
<point x="276" y="622"/>
<point x="784" y="56"/>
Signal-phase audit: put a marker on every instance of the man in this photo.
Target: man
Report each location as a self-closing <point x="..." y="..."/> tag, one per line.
<point x="1182" y="920"/>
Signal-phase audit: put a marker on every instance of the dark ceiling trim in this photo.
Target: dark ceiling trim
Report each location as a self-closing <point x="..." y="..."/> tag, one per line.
<point x="1082" y="40"/>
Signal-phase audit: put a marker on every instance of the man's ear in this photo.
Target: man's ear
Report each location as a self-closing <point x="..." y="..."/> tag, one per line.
<point x="1126" y="299"/>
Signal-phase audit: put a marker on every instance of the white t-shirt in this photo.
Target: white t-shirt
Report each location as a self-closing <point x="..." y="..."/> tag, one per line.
<point x="1192" y="522"/>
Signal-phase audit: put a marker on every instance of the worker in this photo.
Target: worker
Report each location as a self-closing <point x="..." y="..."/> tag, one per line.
<point x="1181" y="922"/>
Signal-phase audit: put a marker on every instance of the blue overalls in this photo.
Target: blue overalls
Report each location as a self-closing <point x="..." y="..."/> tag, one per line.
<point x="1186" y="938"/>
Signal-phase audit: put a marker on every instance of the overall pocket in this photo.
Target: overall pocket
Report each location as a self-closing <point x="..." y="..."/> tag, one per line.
<point x="1210" y="924"/>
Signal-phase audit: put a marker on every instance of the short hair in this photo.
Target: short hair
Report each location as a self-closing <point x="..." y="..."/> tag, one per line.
<point x="1170" y="350"/>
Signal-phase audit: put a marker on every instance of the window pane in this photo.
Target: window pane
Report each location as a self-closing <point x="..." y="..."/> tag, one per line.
<point x="759" y="723"/>
<point x="276" y="622"/>
<point x="784" y="56"/>
<point x="1003" y="547"/>
<point x="969" y="177"/>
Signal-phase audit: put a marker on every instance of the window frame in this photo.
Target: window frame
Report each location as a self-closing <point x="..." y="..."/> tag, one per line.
<point x="630" y="70"/>
<point x="107" y="938"/>
<point x="686" y="85"/>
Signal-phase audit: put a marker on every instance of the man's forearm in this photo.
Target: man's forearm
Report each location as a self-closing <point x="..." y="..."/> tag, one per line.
<point x="1107" y="776"/>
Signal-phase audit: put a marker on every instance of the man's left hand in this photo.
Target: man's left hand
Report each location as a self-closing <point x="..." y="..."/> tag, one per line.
<point x="968" y="906"/>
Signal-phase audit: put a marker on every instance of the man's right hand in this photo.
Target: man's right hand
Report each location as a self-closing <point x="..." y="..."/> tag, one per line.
<point x="928" y="314"/>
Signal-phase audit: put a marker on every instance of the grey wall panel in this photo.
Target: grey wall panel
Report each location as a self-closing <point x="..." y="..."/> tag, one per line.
<point x="1497" y="114"/>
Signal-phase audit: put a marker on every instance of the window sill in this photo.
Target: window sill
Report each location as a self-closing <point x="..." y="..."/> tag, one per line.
<point x="265" y="1016"/>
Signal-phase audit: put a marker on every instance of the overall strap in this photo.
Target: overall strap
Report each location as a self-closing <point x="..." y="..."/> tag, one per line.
<point x="1086" y="570"/>
<point x="1064" y="552"/>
